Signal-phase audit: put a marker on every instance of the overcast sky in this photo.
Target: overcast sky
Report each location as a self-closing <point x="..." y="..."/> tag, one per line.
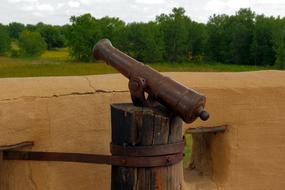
<point x="59" y="11"/>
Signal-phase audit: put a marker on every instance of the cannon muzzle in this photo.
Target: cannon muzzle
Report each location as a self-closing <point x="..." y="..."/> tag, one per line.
<point x="183" y="101"/>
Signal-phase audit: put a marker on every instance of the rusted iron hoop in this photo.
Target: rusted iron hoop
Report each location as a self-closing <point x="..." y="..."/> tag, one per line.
<point x="140" y="156"/>
<point x="154" y="150"/>
<point x="126" y="161"/>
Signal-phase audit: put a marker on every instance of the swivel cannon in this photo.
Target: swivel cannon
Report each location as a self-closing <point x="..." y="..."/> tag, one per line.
<point x="183" y="101"/>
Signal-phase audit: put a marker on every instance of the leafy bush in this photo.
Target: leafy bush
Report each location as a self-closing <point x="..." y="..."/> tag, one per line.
<point x="32" y="43"/>
<point x="15" y="53"/>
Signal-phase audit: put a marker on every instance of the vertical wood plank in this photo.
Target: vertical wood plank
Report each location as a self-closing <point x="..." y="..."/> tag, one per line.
<point x="134" y="126"/>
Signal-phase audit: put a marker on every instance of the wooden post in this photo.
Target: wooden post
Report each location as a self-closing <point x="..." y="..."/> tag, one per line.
<point x="138" y="126"/>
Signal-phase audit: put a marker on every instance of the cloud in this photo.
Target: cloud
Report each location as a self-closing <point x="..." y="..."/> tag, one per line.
<point x="45" y="7"/>
<point x="215" y="5"/>
<point x="19" y="1"/>
<point x="225" y="6"/>
<point x="73" y="4"/>
<point x="38" y="14"/>
<point x="261" y="6"/>
<point x="38" y="7"/>
<point x="59" y="11"/>
<point x="270" y="2"/>
<point x="59" y="5"/>
<point x="150" y="2"/>
<point x="86" y="2"/>
<point x="24" y="1"/>
<point x="28" y="8"/>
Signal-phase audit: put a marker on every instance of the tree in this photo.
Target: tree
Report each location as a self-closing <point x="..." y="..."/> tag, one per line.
<point x="197" y="38"/>
<point x="51" y="35"/>
<point x="175" y="33"/>
<point x="82" y="35"/>
<point x="144" y="42"/>
<point x="32" y="43"/>
<point x="15" y="29"/>
<point x="86" y="30"/>
<point x="111" y="28"/>
<point x="5" y="42"/>
<point x="279" y="43"/>
<point x="262" y="51"/>
<point x="31" y="27"/>
<point x="230" y="37"/>
<point x="153" y="44"/>
<point x="218" y="39"/>
<point x="241" y="28"/>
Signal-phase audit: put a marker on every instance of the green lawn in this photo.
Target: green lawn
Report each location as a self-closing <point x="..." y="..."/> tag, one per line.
<point x="58" y="63"/>
<point x="24" y="68"/>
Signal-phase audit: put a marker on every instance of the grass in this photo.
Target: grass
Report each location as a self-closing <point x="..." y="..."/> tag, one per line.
<point x="45" y="67"/>
<point x="59" y="55"/>
<point x="204" y="67"/>
<point x="24" y="68"/>
<point x="58" y="63"/>
<point x="187" y="150"/>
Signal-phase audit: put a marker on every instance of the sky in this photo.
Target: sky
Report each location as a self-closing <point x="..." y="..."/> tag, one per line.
<point x="58" y="12"/>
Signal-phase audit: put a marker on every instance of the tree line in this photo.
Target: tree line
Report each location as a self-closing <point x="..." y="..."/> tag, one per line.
<point x="242" y="38"/>
<point x="32" y="40"/>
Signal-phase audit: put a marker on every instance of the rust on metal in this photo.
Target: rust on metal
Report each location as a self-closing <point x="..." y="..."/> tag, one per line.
<point x="154" y="150"/>
<point x="215" y="129"/>
<point x="126" y="161"/>
<point x="183" y="101"/>
<point x="143" y="156"/>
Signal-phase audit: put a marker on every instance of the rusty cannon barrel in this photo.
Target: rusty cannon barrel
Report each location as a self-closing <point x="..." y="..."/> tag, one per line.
<point x="183" y="101"/>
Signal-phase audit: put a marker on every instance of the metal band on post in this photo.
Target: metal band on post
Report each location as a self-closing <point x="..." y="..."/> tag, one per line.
<point x="146" y="156"/>
<point x="154" y="150"/>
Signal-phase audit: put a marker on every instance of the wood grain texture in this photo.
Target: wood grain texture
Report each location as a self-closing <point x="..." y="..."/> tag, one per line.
<point x="134" y="126"/>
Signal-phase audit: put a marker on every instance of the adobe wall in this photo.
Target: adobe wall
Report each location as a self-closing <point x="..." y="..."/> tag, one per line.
<point x="71" y="114"/>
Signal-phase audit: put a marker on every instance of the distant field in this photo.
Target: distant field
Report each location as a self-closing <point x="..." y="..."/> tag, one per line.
<point x="56" y="55"/>
<point x="58" y="63"/>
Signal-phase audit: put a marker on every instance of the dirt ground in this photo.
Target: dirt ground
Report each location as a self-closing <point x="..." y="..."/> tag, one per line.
<point x="72" y="114"/>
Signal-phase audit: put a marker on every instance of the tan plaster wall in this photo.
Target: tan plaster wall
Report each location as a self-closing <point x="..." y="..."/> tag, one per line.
<point x="71" y="114"/>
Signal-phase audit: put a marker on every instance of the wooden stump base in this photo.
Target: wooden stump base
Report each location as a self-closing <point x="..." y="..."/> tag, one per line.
<point x="136" y="126"/>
